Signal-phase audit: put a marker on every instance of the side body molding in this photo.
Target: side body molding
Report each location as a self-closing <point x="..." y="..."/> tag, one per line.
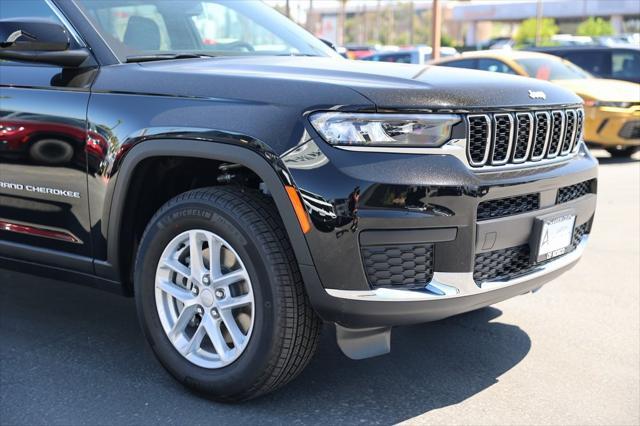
<point x="198" y="149"/>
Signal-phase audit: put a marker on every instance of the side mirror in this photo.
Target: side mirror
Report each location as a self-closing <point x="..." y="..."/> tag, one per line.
<point x="40" y="41"/>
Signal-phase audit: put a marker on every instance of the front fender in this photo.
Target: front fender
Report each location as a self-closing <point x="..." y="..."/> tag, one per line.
<point x="265" y="165"/>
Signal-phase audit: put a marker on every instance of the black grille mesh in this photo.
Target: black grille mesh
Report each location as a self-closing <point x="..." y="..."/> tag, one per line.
<point x="501" y="138"/>
<point x="522" y="136"/>
<point x="579" y="127"/>
<point x="508" y="206"/>
<point x="542" y="127"/>
<point x="556" y="133"/>
<point x="406" y="265"/>
<point x="512" y="262"/>
<point x="568" y="134"/>
<point x="478" y="134"/>
<point x="569" y="193"/>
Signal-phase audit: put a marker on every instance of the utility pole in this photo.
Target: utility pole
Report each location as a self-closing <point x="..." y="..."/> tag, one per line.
<point x="310" y="18"/>
<point x="538" y="22"/>
<point x="342" y="17"/>
<point x="287" y="9"/>
<point x="412" y="27"/>
<point x="436" y="29"/>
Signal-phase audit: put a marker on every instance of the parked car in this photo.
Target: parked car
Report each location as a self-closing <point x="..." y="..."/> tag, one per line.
<point x="619" y="63"/>
<point x="256" y="183"/>
<point x="612" y="107"/>
<point x="419" y="56"/>
<point x="358" y="51"/>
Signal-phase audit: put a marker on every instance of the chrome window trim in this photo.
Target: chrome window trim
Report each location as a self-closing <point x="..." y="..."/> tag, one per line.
<point x="547" y="136"/>
<point x="509" y="143"/>
<point x="532" y="126"/>
<point x="562" y="130"/>
<point x="487" y="149"/>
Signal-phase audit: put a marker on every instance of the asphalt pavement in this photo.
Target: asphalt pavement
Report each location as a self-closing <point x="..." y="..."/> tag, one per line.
<point x="569" y="354"/>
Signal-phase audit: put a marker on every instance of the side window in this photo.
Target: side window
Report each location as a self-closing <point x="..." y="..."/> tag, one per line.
<point x="139" y="27"/>
<point x="462" y="63"/>
<point x="398" y="58"/>
<point x="597" y="63"/>
<point x="494" y="65"/>
<point x="625" y="64"/>
<point x="218" y="24"/>
<point x="26" y="9"/>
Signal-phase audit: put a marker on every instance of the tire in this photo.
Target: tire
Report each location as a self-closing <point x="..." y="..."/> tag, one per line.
<point x="53" y="152"/>
<point x="625" y="152"/>
<point x="284" y="330"/>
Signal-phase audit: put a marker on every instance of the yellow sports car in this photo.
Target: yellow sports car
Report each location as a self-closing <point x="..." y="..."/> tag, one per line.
<point x="612" y="107"/>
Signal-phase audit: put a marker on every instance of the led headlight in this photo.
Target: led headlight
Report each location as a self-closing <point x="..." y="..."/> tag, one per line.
<point x="384" y="130"/>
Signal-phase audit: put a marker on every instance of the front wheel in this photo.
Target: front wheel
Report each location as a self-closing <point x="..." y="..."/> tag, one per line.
<point x="220" y="297"/>
<point x="624" y="152"/>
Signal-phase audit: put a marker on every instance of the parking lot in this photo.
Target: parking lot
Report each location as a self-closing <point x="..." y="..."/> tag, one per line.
<point x="569" y="354"/>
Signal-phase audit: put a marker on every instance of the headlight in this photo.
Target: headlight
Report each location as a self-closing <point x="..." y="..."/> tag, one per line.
<point x="612" y="104"/>
<point x="390" y="130"/>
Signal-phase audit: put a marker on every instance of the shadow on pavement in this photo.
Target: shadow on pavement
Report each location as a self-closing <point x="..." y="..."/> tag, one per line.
<point x="74" y="355"/>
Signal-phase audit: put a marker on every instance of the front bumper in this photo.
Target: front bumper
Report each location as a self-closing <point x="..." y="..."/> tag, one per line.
<point x="612" y="127"/>
<point x="428" y="200"/>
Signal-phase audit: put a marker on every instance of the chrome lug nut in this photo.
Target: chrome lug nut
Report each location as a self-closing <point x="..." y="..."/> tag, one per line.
<point x="219" y="293"/>
<point x="206" y="280"/>
<point x="194" y="290"/>
<point x="215" y="313"/>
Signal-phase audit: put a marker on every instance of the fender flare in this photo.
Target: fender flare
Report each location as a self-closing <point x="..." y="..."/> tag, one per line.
<point x="197" y="149"/>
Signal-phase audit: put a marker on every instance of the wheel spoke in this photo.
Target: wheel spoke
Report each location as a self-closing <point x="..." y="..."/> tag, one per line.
<point x="232" y="326"/>
<point x="177" y="267"/>
<point x="181" y="323"/>
<point x="230" y="278"/>
<point x="214" y="332"/>
<point x="215" y="253"/>
<point x="236" y="302"/>
<point x="195" y="254"/>
<point x="194" y="343"/>
<point x="179" y="293"/>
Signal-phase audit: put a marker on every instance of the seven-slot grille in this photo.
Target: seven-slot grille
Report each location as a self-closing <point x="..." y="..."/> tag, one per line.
<point x="513" y="138"/>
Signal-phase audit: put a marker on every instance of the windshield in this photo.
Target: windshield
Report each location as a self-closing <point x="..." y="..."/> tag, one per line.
<point x="209" y="27"/>
<point x="551" y="69"/>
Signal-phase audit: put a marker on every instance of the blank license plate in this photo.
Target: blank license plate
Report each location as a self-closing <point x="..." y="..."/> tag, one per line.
<point x="555" y="237"/>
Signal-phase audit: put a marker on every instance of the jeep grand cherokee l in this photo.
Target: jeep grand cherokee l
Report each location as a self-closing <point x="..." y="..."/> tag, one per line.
<point x="247" y="183"/>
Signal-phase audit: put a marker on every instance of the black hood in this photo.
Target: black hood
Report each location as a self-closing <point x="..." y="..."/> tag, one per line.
<point x="288" y="80"/>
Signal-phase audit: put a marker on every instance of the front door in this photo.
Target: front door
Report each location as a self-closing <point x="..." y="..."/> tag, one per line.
<point x="44" y="213"/>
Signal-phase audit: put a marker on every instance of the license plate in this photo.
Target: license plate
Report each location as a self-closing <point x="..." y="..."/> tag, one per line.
<point x="555" y="237"/>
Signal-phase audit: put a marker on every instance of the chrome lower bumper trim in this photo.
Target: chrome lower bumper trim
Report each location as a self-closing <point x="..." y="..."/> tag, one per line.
<point x="446" y="285"/>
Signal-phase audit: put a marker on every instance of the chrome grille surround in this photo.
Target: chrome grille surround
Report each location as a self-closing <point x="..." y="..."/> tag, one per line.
<point x="477" y="142"/>
<point x="516" y="138"/>
<point x="579" y="129"/>
<point x="543" y="131"/>
<point x="502" y="139"/>
<point x="570" y="132"/>
<point x="524" y="137"/>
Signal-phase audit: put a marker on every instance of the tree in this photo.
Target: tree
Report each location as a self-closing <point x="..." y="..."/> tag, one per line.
<point x="595" y="27"/>
<point x="526" y="34"/>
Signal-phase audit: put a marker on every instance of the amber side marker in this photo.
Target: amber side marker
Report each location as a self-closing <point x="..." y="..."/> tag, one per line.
<point x="298" y="207"/>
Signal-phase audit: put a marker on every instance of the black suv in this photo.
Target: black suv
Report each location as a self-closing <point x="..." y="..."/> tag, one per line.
<point x="244" y="182"/>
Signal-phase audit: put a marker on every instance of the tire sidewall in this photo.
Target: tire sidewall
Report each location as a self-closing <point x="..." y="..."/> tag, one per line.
<point x="247" y="369"/>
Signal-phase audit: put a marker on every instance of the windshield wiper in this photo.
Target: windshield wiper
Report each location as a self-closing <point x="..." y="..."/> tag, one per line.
<point x="166" y="57"/>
